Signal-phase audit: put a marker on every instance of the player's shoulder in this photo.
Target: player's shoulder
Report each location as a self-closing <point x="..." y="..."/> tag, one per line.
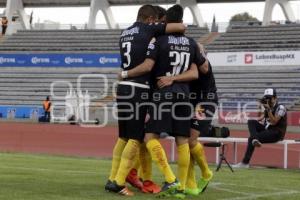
<point x="161" y="38"/>
<point x="192" y="41"/>
<point x="133" y="29"/>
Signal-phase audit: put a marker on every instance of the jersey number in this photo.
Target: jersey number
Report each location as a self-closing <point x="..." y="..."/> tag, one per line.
<point x="127" y="46"/>
<point x="181" y="60"/>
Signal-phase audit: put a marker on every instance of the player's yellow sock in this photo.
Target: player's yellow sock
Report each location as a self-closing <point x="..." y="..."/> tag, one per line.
<point x="159" y="156"/>
<point x="146" y="163"/>
<point x="117" y="152"/>
<point x="199" y="156"/>
<point x="127" y="161"/>
<point x="191" y="179"/>
<point x="137" y="163"/>
<point x="183" y="164"/>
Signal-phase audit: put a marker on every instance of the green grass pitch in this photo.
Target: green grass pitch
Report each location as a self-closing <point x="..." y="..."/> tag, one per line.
<point x="39" y="177"/>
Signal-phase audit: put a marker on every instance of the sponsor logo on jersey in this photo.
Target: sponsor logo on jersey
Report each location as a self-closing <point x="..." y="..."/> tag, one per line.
<point x="132" y="31"/>
<point x="178" y="40"/>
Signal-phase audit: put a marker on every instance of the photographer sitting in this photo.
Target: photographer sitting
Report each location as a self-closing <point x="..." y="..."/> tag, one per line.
<point x="269" y="128"/>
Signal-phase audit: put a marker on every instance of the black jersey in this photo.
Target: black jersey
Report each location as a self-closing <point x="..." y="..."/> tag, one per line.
<point x="205" y="86"/>
<point x="173" y="55"/>
<point x="133" y="46"/>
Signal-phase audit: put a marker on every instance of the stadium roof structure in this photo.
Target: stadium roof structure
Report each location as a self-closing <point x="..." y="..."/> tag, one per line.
<point x="17" y="6"/>
<point x="50" y="3"/>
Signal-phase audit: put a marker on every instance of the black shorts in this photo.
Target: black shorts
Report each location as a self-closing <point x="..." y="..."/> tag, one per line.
<point x="202" y="123"/>
<point x="171" y="113"/>
<point x="132" y="105"/>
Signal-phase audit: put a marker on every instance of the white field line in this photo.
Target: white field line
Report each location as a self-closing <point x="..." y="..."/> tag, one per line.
<point x="231" y="191"/>
<point x="255" y="196"/>
<point x="251" y="195"/>
<point x="215" y="185"/>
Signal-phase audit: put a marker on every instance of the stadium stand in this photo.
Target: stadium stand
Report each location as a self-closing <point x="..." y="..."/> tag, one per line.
<point x="236" y="85"/>
<point x="29" y="86"/>
<point x="24" y="89"/>
<point x="73" y="40"/>
<point x="241" y="85"/>
<point x="258" y="38"/>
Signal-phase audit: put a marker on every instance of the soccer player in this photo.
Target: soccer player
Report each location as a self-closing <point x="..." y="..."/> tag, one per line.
<point x="174" y="54"/>
<point x="145" y="170"/>
<point x="161" y="14"/>
<point x="205" y="100"/>
<point x="133" y="47"/>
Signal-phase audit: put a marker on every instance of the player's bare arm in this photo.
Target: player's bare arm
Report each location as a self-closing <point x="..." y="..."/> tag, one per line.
<point x="189" y="75"/>
<point x="204" y="67"/>
<point x="139" y="70"/>
<point x="175" y="28"/>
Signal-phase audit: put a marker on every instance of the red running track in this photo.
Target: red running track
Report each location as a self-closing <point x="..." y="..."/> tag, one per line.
<point x="73" y="140"/>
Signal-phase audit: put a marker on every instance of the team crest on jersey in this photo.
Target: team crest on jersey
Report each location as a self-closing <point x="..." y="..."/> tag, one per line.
<point x="151" y="46"/>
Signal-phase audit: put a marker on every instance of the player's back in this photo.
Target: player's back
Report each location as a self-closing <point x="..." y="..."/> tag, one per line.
<point x="175" y="54"/>
<point x="133" y="47"/>
<point x="205" y="82"/>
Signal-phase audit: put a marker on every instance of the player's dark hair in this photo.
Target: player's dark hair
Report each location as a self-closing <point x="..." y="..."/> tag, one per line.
<point x="174" y="14"/>
<point x="145" y="12"/>
<point x="160" y="12"/>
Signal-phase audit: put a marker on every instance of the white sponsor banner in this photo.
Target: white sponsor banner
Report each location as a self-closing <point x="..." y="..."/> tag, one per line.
<point x="262" y="58"/>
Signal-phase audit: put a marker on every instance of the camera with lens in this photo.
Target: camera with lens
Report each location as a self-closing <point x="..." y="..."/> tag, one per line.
<point x="265" y="100"/>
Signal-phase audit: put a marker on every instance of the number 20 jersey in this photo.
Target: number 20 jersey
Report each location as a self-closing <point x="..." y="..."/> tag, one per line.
<point x="133" y="46"/>
<point x="174" y="54"/>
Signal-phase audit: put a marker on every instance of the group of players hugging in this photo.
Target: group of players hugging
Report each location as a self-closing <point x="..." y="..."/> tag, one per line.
<point x="166" y="86"/>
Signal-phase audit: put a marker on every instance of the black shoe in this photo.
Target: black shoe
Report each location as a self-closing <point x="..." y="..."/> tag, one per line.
<point x="168" y="188"/>
<point x="107" y="185"/>
<point x="114" y="187"/>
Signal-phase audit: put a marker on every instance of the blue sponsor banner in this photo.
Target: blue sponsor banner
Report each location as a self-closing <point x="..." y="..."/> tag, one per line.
<point x="60" y="60"/>
<point x="20" y="112"/>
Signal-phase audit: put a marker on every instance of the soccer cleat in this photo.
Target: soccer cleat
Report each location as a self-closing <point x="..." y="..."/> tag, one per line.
<point x="203" y="183"/>
<point x="134" y="180"/>
<point x="179" y="194"/>
<point x="122" y="190"/>
<point x="168" y="189"/>
<point x="256" y="143"/>
<point x="150" y="187"/>
<point x="107" y="185"/>
<point x="241" y="165"/>
<point x="192" y="192"/>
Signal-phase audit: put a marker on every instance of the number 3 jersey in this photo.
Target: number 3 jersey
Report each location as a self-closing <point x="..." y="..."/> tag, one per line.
<point x="174" y="54"/>
<point x="133" y="46"/>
